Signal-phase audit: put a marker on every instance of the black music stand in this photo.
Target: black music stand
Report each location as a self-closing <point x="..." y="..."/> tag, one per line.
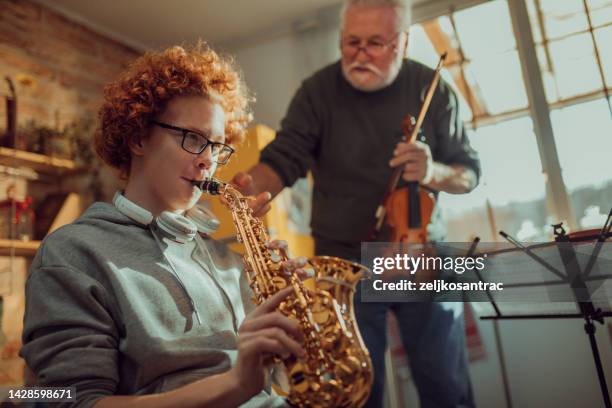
<point x="582" y="285"/>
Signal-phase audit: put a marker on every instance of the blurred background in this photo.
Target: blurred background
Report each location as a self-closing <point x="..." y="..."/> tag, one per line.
<point x="533" y="78"/>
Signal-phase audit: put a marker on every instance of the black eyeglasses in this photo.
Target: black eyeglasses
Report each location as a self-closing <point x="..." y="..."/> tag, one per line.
<point x="373" y="47"/>
<point x="196" y="143"/>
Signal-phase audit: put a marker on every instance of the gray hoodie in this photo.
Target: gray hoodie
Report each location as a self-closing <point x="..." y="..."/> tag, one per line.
<point x="106" y="314"/>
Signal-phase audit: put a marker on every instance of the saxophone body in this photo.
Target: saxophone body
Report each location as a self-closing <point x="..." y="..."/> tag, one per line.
<point x="337" y="371"/>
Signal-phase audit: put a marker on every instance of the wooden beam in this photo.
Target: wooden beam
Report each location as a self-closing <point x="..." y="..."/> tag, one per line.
<point x="454" y="64"/>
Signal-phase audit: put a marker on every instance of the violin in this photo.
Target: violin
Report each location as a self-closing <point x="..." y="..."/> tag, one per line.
<point x="405" y="213"/>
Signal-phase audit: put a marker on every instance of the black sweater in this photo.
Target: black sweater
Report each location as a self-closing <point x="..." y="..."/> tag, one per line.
<point x="347" y="138"/>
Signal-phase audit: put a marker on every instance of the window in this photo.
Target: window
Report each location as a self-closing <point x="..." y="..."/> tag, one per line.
<point x="485" y="72"/>
<point x="566" y="50"/>
<point x="511" y="193"/>
<point x="583" y="134"/>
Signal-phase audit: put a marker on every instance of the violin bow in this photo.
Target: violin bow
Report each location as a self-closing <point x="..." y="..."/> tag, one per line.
<point x="421" y="117"/>
<point x="427" y="101"/>
<point x="380" y="212"/>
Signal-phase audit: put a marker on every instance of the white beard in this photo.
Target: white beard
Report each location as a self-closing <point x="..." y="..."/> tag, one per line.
<point x="359" y="80"/>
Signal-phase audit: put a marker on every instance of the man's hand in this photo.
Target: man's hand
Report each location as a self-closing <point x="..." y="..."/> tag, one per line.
<point x="261" y="203"/>
<point x="419" y="166"/>
<point x="416" y="159"/>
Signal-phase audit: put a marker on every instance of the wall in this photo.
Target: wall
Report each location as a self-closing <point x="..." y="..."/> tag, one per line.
<point x="69" y="63"/>
<point x="275" y="64"/>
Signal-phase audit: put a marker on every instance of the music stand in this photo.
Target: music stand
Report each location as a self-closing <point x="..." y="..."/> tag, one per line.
<point x="580" y="282"/>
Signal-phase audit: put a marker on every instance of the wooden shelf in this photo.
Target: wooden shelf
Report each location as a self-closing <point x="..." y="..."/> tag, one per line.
<point x="38" y="162"/>
<point x="22" y="248"/>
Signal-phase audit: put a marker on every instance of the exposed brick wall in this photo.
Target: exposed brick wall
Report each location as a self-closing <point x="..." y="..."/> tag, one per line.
<point x="69" y="63"/>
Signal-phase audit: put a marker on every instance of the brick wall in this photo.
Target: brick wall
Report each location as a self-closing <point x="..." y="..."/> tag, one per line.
<point x="70" y="64"/>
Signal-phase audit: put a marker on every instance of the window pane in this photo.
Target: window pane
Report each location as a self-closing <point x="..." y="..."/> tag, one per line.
<point x="452" y="75"/>
<point x="574" y="66"/>
<point x="562" y="17"/>
<point x="584" y="143"/>
<point x="420" y="47"/>
<point x="601" y="12"/>
<point x="500" y="82"/>
<point x="439" y="32"/>
<point x="603" y="39"/>
<point x="491" y="18"/>
<point x="511" y="180"/>
<point x="489" y="58"/>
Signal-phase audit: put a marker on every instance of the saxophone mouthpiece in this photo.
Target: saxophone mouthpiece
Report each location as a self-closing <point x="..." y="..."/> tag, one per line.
<point x="209" y="185"/>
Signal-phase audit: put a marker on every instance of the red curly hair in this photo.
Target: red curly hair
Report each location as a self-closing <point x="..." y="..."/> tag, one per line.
<point x="144" y="89"/>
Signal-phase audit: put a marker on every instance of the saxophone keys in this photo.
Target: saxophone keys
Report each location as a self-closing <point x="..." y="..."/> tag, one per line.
<point x="329" y="337"/>
<point x="350" y="366"/>
<point x="320" y="312"/>
<point x="321" y="317"/>
<point x="278" y="283"/>
<point x="297" y="379"/>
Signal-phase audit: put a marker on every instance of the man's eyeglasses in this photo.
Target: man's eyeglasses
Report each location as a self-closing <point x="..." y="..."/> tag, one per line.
<point x="374" y="47"/>
<point x="196" y="143"/>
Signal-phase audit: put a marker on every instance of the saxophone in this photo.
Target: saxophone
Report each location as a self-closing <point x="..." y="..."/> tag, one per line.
<point x="337" y="371"/>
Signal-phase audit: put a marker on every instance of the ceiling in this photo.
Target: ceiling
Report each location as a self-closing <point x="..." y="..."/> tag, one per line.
<point x="145" y="24"/>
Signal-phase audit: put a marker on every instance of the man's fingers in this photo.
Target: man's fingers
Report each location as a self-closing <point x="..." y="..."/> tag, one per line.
<point x="397" y="161"/>
<point x="262" y="210"/>
<point x="412" y="154"/>
<point x="262" y="198"/>
<point x="413" y="175"/>
<point x="242" y="179"/>
<point x="407" y="158"/>
<point x="403" y="147"/>
<point x="409" y="149"/>
<point x="244" y="183"/>
<point x="412" y="167"/>
<point x="260" y="204"/>
<point x="406" y="152"/>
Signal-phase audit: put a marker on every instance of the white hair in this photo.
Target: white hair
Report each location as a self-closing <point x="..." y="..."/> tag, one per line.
<point x="402" y="7"/>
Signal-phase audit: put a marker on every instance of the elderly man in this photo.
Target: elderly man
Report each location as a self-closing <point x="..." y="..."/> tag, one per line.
<point x="344" y="124"/>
